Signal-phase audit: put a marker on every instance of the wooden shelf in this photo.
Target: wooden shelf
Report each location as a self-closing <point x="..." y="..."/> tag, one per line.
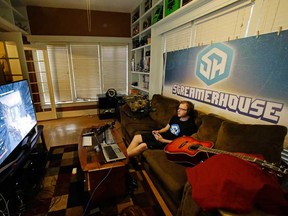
<point x="141" y="31"/>
<point x="139" y="88"/>
<point x="9" y="27"/>
<point x="11" y="18"/>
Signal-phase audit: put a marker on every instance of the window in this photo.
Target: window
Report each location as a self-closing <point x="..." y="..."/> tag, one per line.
<point x="223" y="26"/>
<point x="179" y="38"/>
<point x="85" y="60"/>
<point x="10" y="67"/>
<point x="37" y="70"/>
<point x="60" y="72"/>
<point x="81" y="71"/>
<point x="216" y="27"/>
<point x="114" y="67"/>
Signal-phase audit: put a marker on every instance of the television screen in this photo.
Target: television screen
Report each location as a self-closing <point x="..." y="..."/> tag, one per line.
<point x="17" y="116"/>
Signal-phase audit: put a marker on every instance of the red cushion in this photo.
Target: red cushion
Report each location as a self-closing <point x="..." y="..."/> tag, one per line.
<point x="227" y="182"/>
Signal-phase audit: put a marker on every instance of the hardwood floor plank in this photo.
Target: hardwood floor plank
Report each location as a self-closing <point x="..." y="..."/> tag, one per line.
<point x="67" y="131"/>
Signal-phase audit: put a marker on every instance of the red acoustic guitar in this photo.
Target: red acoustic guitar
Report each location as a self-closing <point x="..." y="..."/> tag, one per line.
<point x="190" y="150"/>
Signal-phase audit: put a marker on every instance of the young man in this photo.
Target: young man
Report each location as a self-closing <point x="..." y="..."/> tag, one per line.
<point x="180" y="125"/>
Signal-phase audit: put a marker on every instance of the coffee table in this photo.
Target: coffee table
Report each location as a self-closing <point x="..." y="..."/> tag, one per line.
<point x="104" y="180"/>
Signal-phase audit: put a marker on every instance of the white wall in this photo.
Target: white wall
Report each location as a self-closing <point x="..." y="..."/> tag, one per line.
<point x="209" y="22"/>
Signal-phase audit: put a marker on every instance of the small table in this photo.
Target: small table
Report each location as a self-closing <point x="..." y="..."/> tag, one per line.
<point x="108" y="107"/>
<point x="109" y="179"/>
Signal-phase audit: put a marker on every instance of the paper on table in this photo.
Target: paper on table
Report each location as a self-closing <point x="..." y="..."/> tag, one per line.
<point x="87" y="141"/>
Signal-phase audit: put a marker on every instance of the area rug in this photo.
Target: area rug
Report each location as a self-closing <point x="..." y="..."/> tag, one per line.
<point x="63" y="193"/>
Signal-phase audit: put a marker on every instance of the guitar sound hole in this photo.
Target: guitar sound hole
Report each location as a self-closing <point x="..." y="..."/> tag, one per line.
<point x="194" y="147"/>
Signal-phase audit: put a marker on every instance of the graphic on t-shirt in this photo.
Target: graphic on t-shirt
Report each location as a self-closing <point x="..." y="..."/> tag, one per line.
<point x="175" y="129"/>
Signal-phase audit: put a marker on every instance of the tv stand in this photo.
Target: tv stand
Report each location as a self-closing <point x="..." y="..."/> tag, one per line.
<point x="22" y="177"/>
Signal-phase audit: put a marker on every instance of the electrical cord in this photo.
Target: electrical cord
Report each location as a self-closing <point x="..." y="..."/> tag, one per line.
<point x="6" y="209"/>
<point x="86" y="208"/>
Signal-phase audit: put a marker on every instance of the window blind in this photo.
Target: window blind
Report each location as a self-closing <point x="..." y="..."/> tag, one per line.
<point x="178" y="39"/>
<point x="222" y="26"/>
<point x="216" y="27"/>
<point x="86" y="71"/>
<point x="115" y="68"/>
<point x="60" y="72"/>
<point x="82" y="71"/>
<point x="273" y="16"/>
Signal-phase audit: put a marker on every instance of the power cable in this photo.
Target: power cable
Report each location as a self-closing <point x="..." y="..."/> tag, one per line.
<point x="86" y="208"/>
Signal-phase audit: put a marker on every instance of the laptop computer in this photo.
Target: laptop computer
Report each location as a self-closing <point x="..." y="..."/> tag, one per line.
<point x="111" y="151"/>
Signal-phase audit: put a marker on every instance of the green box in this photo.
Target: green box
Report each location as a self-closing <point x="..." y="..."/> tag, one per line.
<point x="158" y="15"/>
<point x="171" y="6"/>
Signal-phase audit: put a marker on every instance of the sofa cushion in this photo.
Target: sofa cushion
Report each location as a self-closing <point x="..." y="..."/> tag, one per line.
<point x="198" y="117"/>
<point x="208" y="130"/>
<point x="171" y="175"/>
<point x="138" y="128"/>
<point x="163" y="108"/>
<point x="266" y="140"/>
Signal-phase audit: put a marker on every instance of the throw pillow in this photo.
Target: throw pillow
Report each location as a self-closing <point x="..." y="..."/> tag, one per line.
<point x="139" y="105"/>
<point x="229" y="183"/>
<point x="266" y="140"/>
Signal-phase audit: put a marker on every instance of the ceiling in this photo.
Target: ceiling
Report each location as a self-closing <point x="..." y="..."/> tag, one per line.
<point x="125" y="6"/>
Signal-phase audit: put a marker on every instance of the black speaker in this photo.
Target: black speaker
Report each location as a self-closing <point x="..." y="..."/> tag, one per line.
<point x="111" y="93"/>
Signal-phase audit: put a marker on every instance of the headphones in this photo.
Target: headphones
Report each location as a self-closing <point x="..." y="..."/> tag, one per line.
<point x="190" y="107"/>
<point x="111" y="93"/>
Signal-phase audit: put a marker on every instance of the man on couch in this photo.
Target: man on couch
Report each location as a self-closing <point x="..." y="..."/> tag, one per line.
<point x="180" y="125"/>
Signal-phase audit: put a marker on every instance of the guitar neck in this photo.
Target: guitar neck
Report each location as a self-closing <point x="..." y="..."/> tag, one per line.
<point x="241" y="156"/>
<point x="262" y="163"/>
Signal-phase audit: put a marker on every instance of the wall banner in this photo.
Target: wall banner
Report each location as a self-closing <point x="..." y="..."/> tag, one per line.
<point x="245" y="79"/>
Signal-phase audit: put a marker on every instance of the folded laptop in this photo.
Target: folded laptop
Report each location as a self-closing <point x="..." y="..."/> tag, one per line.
<point x="112" y="152"/>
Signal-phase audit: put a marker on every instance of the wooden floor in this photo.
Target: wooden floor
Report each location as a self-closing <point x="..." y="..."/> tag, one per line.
<point x="67" y="131"/>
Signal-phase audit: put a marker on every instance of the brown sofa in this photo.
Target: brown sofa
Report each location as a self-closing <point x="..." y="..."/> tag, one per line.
<point x="169" y="177"/>
<point x="162" y="108"/>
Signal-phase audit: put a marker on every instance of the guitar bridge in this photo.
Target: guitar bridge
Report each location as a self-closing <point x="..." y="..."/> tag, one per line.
<point x="182" y="144"/>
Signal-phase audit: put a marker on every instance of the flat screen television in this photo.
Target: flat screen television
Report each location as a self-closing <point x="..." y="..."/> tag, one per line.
<point x="17" y="120"/>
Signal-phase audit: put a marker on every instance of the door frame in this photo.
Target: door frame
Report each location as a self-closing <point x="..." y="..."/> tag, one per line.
<point x="51" y="114"/>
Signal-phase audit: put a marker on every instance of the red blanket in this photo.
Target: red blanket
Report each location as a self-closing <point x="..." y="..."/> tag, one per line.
<point x="227" y="182"/>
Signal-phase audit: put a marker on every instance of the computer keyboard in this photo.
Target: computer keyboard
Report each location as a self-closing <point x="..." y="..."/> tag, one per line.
<point x="110" y="152"/>
<point x="108" y="136"/>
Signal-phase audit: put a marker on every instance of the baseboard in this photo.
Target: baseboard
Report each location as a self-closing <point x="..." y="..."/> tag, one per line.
<point x="76" y="113"/>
